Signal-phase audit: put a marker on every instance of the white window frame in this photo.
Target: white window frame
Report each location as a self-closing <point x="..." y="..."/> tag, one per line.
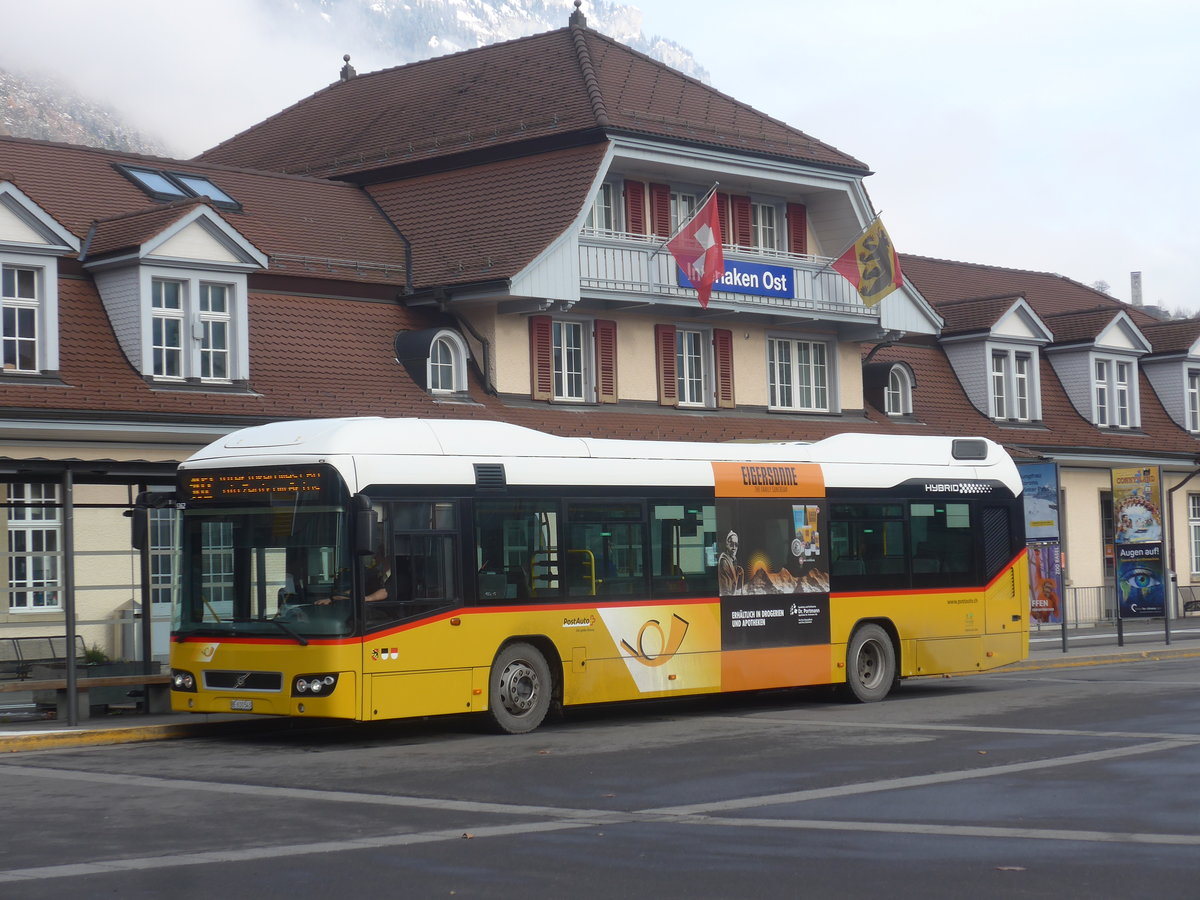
<point x="602" y="217"/>
<point x="1194" y="531"/>
<point x="1014" y="385"/>
<point x="1114" y="392"/>
<point x="163" y="532"/>
<point x="764" y="226"/>
<point x="34" y="548"/>
<point x="21" y="313"/>
<point x="44" y="306"/>
<point x="209" y="336"/>
<point x="800" y="374"/>
<point x="446" y="366"/>
<point x="1192" y="390"/>
<point x="573" y="367"/>
<point x="897" y="393"/>
<point x="694" y="368"/>
<point x="683" y="207"/>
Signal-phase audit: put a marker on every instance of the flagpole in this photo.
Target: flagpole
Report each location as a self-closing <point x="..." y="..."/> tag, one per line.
<point x="700" y="205"/>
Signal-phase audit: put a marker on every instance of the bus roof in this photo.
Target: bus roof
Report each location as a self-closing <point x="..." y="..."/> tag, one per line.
<point x="367" y="439"/>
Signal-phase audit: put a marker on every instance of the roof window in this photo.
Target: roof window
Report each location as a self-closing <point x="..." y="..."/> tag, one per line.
<point x="162" y="185"/>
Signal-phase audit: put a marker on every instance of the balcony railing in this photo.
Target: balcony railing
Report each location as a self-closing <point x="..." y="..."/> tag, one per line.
<point x="631" y="266"/>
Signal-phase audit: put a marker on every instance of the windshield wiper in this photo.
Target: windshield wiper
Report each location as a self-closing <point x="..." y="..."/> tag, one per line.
<point x="289" y="631"/>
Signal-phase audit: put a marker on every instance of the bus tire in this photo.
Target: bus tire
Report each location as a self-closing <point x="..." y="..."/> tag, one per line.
<point x="521" y="689"/>
<point x="870" y="665"/>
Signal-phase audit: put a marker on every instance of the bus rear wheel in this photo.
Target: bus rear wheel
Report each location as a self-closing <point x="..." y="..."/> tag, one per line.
<point x="520" y="691"/>
<point x="870" y="665"/>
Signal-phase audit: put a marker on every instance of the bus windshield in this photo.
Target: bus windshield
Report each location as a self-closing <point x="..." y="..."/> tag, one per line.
<point x="274" y="561"/>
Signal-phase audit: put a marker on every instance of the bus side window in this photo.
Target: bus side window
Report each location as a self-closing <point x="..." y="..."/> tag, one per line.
<point x="516" y="550"/>
<point x="681" y="536"/>
<point x="424" y="563"/>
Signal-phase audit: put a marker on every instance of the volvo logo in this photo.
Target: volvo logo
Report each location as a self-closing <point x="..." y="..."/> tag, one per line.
<point x="241" y="680"/>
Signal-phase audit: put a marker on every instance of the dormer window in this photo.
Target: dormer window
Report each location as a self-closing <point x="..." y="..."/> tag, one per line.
<point x="191" y="329"/>
<point x="897" y="396"/>
<point x="447" y="364"/>
<point x="1193" y="400"/>
<point x="22" y="306"/>
<point x="1012" y="383"/>
<point x="1112" y="393"/>
<point x="163" y="185"/>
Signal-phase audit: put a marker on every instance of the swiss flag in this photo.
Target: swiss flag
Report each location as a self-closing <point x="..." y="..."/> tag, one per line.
<point x="697" y="249"/>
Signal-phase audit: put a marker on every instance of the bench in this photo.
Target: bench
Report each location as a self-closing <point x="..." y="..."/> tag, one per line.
<point x="18" y="655"/>
<point x="157" y="694"/>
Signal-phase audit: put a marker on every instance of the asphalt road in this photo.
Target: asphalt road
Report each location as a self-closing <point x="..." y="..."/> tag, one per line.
<point x="1051" y="783"/>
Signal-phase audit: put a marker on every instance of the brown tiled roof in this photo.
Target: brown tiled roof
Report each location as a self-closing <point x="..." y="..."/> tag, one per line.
<point x="490" y="221"/>
<point x="1175" y="336"/>
<point x="552" y="86"/>
<point x="285" y="215"/>
<point x="1080" y="325"/>
<point x="940" y="404"/>
<point x="975" y="314"/>
<point x="131" y="230"/>
<point x="942" y="281"/>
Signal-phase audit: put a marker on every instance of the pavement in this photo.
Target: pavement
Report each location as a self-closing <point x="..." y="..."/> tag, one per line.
<point x="21" y="729"/>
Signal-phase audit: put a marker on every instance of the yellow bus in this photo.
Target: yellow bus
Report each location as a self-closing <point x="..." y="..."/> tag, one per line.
<point x="370" y="568"/>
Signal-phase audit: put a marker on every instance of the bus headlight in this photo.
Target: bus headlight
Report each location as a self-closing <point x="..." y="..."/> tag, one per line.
<point x="182" y="680"/>
<point x="314" y="685"/>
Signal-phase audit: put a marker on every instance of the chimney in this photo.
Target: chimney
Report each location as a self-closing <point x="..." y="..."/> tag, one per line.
<point x="1135" y="288"/>
<point x="347" y="70"/>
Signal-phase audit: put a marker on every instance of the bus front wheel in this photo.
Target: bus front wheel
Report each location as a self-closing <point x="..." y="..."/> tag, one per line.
<point x="870" y="665"/>
<point x="520" y="690"/>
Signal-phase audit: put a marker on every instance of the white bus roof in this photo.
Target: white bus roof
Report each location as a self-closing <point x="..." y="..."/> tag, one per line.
<point x="362" y="447"/>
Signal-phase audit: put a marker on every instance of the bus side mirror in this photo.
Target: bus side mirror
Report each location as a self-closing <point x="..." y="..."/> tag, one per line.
<point x="139" y="521"/>
<point x="366" y="526"/>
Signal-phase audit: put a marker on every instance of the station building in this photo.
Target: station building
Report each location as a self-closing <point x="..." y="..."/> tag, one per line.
<point x="482" y="235"/>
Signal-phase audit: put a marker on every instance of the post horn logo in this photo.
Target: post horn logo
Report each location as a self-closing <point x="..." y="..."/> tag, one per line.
<point x="667" y="644"/>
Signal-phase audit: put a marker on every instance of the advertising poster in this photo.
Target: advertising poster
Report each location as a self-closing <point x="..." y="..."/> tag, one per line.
<point x="1040" y="481"/>
<point x="1138" y="542"/>
<point x="772" y="573"/>
<point x="1140" y="580"/>
<point x="1045" y="584"/>
<point x="1137" y="516"/>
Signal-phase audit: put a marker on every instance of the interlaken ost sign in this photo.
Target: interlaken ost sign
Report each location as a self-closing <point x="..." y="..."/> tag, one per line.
<point x="750" y="278"/>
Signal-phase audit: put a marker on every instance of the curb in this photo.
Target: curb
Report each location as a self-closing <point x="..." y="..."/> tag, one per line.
<point x="162" y="731"/>
<point x="1124" y="656"/>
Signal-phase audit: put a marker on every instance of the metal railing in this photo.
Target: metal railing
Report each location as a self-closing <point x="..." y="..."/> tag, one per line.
<point x="633" y="265"/>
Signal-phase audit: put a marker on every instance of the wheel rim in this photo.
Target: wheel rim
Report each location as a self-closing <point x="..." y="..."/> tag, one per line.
<point x="518" y="687"/>
<point x="869" y="664"/>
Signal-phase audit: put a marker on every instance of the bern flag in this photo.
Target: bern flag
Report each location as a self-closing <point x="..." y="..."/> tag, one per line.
<point x="871" y="264"/>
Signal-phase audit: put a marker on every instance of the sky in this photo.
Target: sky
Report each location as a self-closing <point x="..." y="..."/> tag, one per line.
<point x="1050" y="135"/>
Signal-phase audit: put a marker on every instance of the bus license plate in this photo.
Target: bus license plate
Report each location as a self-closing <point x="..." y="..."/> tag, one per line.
<point x="244" y="705"/>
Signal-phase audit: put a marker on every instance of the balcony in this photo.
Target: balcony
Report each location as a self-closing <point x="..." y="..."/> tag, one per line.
<point x="638" y="270"/>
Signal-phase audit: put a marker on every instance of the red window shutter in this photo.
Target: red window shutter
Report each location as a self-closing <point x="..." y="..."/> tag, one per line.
<point x="635" y="207"/>
<point x="606" y="360"/>
<point x="664" y="347"/>
<point x="723" y="359"/>
<point x="741" y="221"/>
<point x="660" y="210"/>
<point x="541" y="358"/>
<point x="797" y="217"/>
<point x="723" y="217"/>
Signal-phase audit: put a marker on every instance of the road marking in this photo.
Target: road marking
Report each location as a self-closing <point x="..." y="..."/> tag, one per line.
<point x="561" y="819"/>
<point x="987" y="729"/>
<point x="910" y="781"/>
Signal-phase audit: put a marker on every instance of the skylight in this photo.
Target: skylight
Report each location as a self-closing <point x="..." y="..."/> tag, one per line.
<point x="162" y="185"/>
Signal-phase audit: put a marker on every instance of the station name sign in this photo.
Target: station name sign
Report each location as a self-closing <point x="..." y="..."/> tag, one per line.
<point x="751" y="278"/>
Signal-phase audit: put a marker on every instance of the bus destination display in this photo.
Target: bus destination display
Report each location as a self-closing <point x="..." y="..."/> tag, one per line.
<point x="259" y="484"/>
